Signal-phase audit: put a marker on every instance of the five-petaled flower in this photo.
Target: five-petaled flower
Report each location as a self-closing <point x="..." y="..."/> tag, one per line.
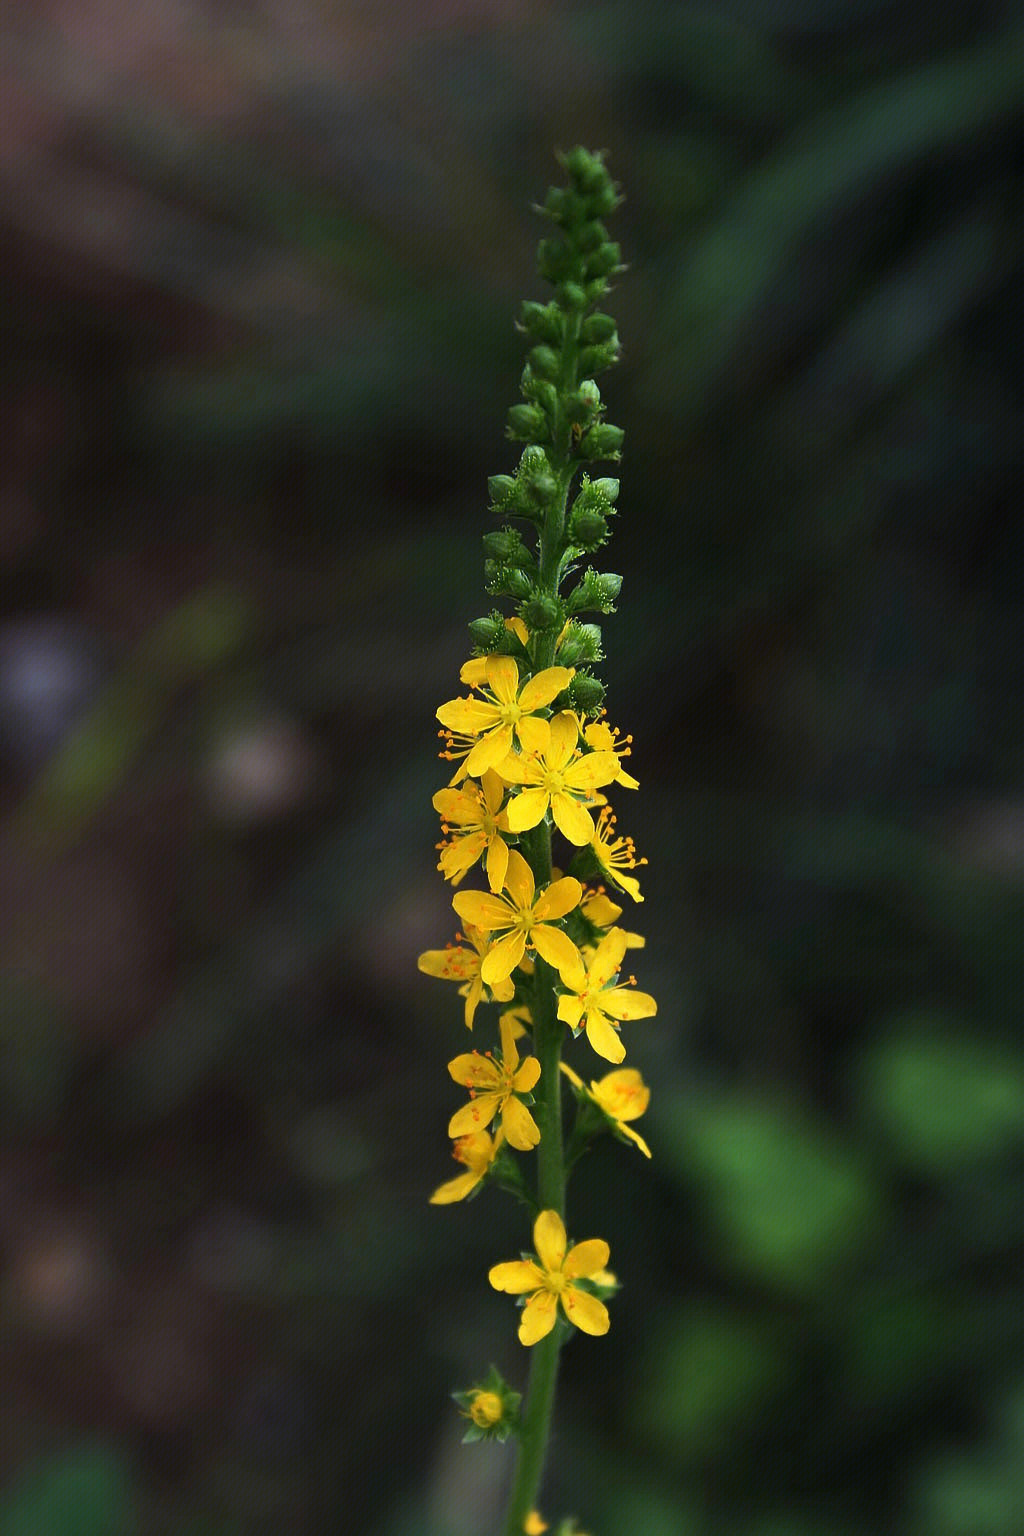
<point x="473" y="814"/>
<point x="556" y="774"/>
<point x="477" y="1151"/>
<point x="503" y="713"/>
<point x="549" y="1279"/>
<point x="464" y="965"/>
<point x="526" y="916"/>
<point x="593" y="1000"/>
<point x="620" y="1095"/>
<point x="493" y="1084"/>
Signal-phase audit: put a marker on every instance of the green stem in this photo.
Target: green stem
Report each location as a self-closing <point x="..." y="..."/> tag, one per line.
<point x="548" y="1030"/>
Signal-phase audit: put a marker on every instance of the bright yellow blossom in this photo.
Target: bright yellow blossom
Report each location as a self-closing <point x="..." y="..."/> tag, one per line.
<point x="605" y="738"/>
<point x="550" y="1280"/>
<point x="556" y="775"/>
<point x="464" y="965"/>
<point x="504" y="713"/>
<point x="478" y="1151"/>
<point x="593" y="1000"/>
<point x="525" y="916"/>
<point x="474" y="811"/>
<point x="493" y="1085"/>
<point x="614" y="854"/>
<point x="622" y="1095"/>
<point x="533" y="1525"/>
<point x="598" y="909"/>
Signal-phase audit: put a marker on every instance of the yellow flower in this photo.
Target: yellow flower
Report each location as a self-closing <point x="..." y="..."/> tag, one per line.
<point x="493" y="1085"/>
<point x="474" y="810"/>
<point x="504" y="712"/>
<point x="464" y="965"/>
<point x="550" y="1280"/>
<point x="556" y="775"/>
<point x="622" y="1095"/>
<point x="525" y="917"/>
<point x="478" y="1152"/>
<point x="595" y="1001"/>
<point x="533" y="1525"/>
<point x="605" y="738"/>
<point x="614" y="854"/>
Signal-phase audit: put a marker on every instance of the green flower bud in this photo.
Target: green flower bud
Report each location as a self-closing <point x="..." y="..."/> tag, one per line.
<point x="591" y="236"/>
<point x="488" y="633"/>
<point x="543" y="321"/>
<point x="506" y="580"/>
<point x="544" y="362"/>
<point x="571" y="295"/>
<point x="527" y="423"/>
<point x="589" y="395"/>
<point x="539" y="391"/>
<point x="609" y="489"/>
<point x="586" y="693"/>
<point x="542" y="490"/>
<point x="594" y="592"/>
<point x="557" y="261"/>
<point x="580" y="643"/>
<point x="603" y="441"/>
<point x="501" y="489"/>
<point x="603" y="201"/>
<point x="588" y="528"/>
<point x="542" y="612"/>
<point x="597" y="359"/>
<point x="506" y="545"/>
<point x="605" y="260"/>
<point x="532" y="461"/>
<point x="597" y="329"/>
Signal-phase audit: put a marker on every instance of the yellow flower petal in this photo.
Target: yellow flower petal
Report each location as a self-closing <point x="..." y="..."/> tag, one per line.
<point x="570" y="1009"/>
<point x="519" y="881"/>
<point x="483" y="910"/>
<point x="555" y="947"/>
<point x="607" y="958"/>
<point x="474" y="1116"/>
<point x="549" y="1240"/>
<point x="455" y="1189"/>
<point x="622" y="1094"/>
<point x="538" y="1317"/>
<point x="502" y="958"/>
<point x="626" y="1003"/>
<point x="496" y="863"/>
<point x="588" y="1314"/>
<point x="473" y="1070"/>
<point x="540" y="690"/>
<point x="604" y="1039"/>
<point x="474" y="671"/>
<point x="516" y="1277"/>
<point x="564" y="733"/>
<point x="527" y="810"/>
<point x="558" y="898"/>
<point x="502" y="678"/>
<point x="528" y="1076"/>
<point x="489" y="750"/>
<point x="467" y="717"/>
<point x="533" y="733"/>
<point x="585" y="1259"/>
<point x="573" y="820"/>
<point x="521" y="1129"/>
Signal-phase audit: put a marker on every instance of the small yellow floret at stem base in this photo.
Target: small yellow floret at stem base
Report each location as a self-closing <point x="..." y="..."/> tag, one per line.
<point x="533" y="1525"/>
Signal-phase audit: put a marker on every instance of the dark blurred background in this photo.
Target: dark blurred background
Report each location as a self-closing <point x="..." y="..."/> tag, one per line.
<point x="261" y="264"/>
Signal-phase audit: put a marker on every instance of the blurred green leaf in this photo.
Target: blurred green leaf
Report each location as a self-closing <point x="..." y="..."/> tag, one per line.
<point x="87" y="1490"/>
<point x="943" y="1099"/>
<point x="707" y="1371"/>
<point x="790" y="1201"/>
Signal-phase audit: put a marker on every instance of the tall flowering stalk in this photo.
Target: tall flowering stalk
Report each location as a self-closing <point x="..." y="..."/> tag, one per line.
<point x="532" y="756"/>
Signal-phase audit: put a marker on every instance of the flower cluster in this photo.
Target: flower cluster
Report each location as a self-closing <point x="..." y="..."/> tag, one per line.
<point x="532" y="760"/>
